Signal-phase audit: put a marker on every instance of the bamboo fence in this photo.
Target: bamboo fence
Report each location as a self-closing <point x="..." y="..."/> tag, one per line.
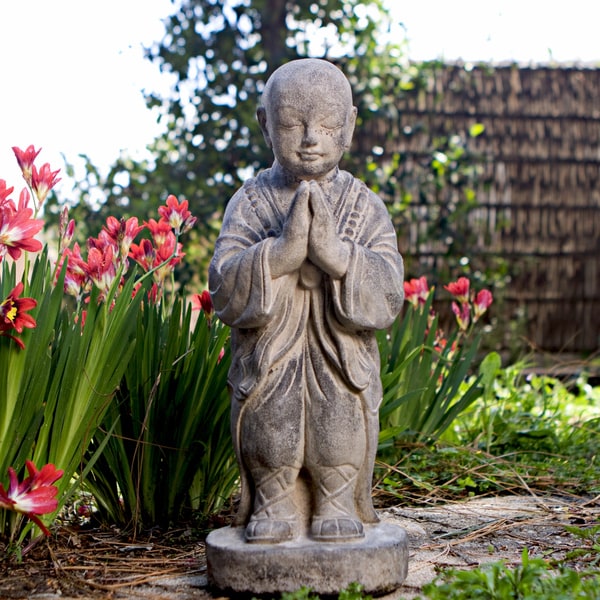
<point x="538" y="194"/>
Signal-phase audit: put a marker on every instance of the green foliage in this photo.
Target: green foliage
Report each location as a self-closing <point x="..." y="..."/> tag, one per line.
<point x="528" y="412"/>
<point x="525" y="433"/>
<point x="590" y="548"/>
<point x="354" y="591"/>
<point x="170" y="447"/>
<point x="422" y="381"/>
<point x="56" y="391"/>
<point x="218" y="54"/>
<point x="533" y="579"/>
<point x="303" y="593"/>
<point x="439" y="473"/>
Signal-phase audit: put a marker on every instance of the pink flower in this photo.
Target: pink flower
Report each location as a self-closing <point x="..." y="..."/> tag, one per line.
<point x="459" y="289"/>
<point x="35" y="495"/>
<point x="463" y="315"/>
<point x="43" y="181"/>
<point x="25" y="159"/>
<point x="177" y="215"/>
<point x="123" y="232"/>
<point x="143" y="253"/>
<point x="159" y="230"/>
<point x="18" y="228"/>
<point x="203" y="302"/>
<point x="101" y="267"/>
<point x="66" y="228"/>
<point x="440" y="346"/>
<point x="76" y="274"/>
<point x="13" y="314"/>
<point x="5" y="192"/>
<point x="168" y="254"/>
<point x="482" y="302"/>
<point x="416" y="291"/>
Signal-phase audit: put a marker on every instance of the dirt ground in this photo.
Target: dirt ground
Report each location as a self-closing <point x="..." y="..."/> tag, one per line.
<point x="96" y="564"/>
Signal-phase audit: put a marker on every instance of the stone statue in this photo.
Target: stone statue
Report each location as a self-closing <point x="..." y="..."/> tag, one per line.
<point x="305" y="269"/>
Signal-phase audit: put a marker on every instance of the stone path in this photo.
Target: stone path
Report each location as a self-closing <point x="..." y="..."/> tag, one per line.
<point x="462" y="535"/>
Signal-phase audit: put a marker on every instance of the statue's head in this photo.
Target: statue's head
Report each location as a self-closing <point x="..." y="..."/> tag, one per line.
<point x="307" y="117"/>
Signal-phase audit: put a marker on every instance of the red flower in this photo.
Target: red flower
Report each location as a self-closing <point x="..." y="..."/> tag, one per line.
<point x="35" y="495"/>
<point x="123" y="232"/>
<point x="482" y="302"/>
<point x="168" y="254"/>
<point x="5" y="192"/>
<point x="177" y="215"/>
<point x="76" y="274"/>
<point x="66" y="228"/>
<point x="101" y="267"/>
<point x="159" y="230"/>
<point x="463" y="315"/>
<point x="459" y="289"/>
<point x="416" y="291"/>
<point x="13" y="314"/>
<point x="17" y="228"/>
<point x="203" y="301"/>
<point x="43" y="181"/>
<point x="26" y="158"/>
<point x="143" y="253"/>
<point x="440" y="346"/>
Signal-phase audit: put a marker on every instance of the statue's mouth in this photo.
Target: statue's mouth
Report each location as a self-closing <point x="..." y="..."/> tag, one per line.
<point x="309" y="156"/>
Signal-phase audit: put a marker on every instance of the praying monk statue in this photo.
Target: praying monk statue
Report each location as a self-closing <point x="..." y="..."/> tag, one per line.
<point x="305" y="270"/>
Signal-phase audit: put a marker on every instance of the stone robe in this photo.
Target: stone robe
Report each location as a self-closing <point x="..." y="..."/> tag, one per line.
<point x="304" y="352"/>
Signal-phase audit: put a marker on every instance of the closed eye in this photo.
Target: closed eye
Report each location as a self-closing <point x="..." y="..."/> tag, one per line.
<point x="332" y="125"/>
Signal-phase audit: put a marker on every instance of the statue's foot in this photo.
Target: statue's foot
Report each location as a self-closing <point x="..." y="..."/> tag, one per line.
<point x="270" y="531"/>
<point x="336" y="529"/>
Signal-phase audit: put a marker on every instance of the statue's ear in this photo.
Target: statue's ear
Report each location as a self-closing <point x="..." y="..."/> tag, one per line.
<point x="261" y="115"/>
<point x="350" y="128"/>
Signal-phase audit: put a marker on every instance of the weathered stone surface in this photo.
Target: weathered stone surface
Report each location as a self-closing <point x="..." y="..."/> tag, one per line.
<point x="305" y="270"/>
<point x="379" y="561"/>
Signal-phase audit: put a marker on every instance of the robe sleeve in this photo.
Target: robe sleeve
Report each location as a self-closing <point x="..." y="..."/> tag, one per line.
<point x="370" y="294"/>
<point x="240" y="280"/>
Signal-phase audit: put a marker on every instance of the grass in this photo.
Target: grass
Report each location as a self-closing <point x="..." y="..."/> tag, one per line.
<point x="533" y="579"/>
<point x="526" y="434"/>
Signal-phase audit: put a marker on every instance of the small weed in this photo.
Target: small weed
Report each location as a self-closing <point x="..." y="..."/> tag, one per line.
<point x="537" y="435"/>
<point x="354" y="591"/>
<point x="533" y="579"/>
<point x="590" y="538"/>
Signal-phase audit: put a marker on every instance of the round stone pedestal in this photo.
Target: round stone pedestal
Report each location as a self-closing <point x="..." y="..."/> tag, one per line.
<point x="379" y="562"/>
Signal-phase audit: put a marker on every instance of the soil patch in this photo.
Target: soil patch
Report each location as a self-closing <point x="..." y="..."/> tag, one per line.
<point x="85" y="563"/>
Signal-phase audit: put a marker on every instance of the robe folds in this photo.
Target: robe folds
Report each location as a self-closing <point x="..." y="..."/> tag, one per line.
<point x="278" y="325"/>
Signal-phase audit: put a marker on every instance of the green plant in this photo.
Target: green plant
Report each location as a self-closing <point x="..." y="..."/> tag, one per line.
<point x="525" y="434"/>
<point x="533" y="579"/>
<point x="423" y="374"/>
<point x="57" y="377"/>
<point x="521" y="411"/>
<point x="590" y="549"/>
<point x="354" y="591"/>
<point x="170" y="446"/>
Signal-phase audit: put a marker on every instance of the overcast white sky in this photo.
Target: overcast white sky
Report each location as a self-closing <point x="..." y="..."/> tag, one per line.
<point x="72" y="71"/>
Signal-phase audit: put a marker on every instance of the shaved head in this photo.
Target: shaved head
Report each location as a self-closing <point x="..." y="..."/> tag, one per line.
<point x="307" y="117"/>
<point x="306" y="74"/>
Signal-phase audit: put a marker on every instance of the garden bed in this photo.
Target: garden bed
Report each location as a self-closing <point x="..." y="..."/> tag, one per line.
<point x="102" y="563"/>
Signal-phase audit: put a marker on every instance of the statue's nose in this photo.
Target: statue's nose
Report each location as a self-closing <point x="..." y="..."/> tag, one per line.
<point x="310" y="136"/>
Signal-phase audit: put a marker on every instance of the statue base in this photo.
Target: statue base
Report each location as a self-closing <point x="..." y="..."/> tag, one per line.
<point x="379" y="562"/>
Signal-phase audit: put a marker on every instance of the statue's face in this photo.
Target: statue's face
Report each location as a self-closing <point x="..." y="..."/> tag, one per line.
<point x="309" y="129"/>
